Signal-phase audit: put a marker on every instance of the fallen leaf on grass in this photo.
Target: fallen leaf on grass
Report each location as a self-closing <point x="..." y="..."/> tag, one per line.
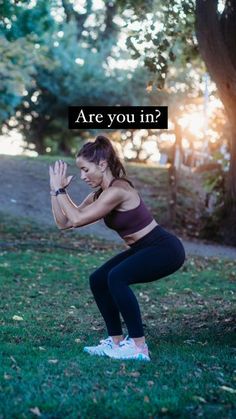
<point x="229" y="389"/>
<point x="7" y="377"/>
<point x="230" y="319"/>
<point x="53" y="361"/>
<point x="150" y="383"/>
<point x="41" y="348"/>
<point x="190" y="341"/>
<point x="134" y="374"/>
<point x="199" y="399"/>
<point x="36" y="411"/>
<point x="77" y="340"/>
<point x="17" y="318"/>
<point x="146" y="399"/>
<point x="164" y="410"/>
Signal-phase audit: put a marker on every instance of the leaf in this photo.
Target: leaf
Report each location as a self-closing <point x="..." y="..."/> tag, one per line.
<point x="77" y="340"/>
<point x="135" y="374"/>
<point x="199" y="399"/>
<point x="146" y="399"/>
<point x="7" y="377"/>
<point x="96" y="328"/>
<point x="229" y="389"/>
<point x="36" y="411"/>
<point x="53" y="361"/>
<point x="150" y="383"/>
<point x="17" y="318"/>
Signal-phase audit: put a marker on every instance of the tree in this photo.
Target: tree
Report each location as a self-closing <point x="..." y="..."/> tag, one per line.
<point x="216" y="33"/>
<point x="174" y="33"/>
<point x="64" y="63"/>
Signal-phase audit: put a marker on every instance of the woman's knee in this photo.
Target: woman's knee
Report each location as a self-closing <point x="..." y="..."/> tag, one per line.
<point x="94" y="280"/>
<point x="97" y="280"/>
<point x="115" y="278"/>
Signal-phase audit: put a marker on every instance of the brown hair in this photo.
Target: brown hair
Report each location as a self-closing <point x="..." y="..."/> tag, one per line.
<point x="102" y="149"/>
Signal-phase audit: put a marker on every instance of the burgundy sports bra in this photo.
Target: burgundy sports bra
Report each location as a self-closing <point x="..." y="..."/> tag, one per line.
<point x="130" y="221"/>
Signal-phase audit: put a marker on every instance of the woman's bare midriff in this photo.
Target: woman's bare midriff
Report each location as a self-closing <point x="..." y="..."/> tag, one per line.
<point x="132" y="238"/>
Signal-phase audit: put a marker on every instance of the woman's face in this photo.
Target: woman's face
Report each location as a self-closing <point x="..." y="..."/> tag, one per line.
<point x="89" y="172"/>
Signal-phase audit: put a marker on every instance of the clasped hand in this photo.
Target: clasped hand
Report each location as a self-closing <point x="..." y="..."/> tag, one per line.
<point x="58" y="178"/>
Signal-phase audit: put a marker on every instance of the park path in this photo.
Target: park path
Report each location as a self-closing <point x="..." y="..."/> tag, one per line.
<point x="25" y="193"/>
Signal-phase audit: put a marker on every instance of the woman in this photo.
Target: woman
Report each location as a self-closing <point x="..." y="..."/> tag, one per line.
<point x="153" y="252"/>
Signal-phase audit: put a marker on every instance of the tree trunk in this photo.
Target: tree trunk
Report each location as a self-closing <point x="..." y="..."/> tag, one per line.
<point x="64" y="147"/>
<point x="173" y="171"/>
<point x="39" y="145"/>
<point x="37" y="134"/>
<point x="178" y="149"/>
<point x="173" y="194"/>
<point x="216" y="34"/>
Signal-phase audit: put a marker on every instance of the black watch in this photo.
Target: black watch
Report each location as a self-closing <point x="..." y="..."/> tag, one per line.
<point x="60" y="190"/>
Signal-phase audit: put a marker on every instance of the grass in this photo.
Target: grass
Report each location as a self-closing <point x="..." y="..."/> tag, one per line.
<point x="188" y="323"/>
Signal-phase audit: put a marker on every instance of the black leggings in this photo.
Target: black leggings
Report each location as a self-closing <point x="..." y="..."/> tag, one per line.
<point x="154" y="256"/>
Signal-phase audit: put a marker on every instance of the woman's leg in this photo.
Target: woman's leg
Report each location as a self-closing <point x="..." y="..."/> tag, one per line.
<point x="145" y="265"/>
<point x="105" y="302"/>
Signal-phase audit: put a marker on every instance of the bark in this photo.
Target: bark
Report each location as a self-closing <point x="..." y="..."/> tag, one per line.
<point x="173" y="193"/>
<point x="36" y="135"/>
<point x="39" y="145"/>
<point x="64" y="147"/>
<point x="173" y="173"/>
<point x="216" y="36"/>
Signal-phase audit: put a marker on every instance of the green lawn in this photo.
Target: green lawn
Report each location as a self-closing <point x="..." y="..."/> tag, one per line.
<point x="188" y="321"/>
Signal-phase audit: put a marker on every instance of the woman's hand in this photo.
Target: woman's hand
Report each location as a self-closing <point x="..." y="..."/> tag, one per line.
<point x="58" y="178"/>
<point x="51" y="174"/>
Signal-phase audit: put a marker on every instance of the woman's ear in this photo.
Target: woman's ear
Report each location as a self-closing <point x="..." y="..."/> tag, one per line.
<point x="103" y="165"/>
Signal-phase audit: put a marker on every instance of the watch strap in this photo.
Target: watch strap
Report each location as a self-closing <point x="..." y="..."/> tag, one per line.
<point x="60" y="191"/>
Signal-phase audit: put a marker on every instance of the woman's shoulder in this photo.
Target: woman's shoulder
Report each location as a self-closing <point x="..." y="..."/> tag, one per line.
<point x="129" y="195"/>
<point x="123" y="183"/>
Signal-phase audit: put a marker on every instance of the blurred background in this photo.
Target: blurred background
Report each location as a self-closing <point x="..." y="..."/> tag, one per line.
<point x="61" y="53"/>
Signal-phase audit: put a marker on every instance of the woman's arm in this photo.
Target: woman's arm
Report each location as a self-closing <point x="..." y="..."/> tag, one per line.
<point x="60" y="218"/>
<point x="80" y="216"/>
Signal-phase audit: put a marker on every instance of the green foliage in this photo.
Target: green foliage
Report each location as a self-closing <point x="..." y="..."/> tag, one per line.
<point x="56" y="70"/>
<point x="20" y="31"/>
<point x="165" y="38"/>
<point x="16" y="72"/>
<point x="69" y="82"/>
<point x="20" y="20"/>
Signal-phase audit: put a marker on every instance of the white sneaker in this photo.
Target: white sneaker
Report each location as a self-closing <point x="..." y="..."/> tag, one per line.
<point x="127" y="349"/>
<point x="99" y="349"/>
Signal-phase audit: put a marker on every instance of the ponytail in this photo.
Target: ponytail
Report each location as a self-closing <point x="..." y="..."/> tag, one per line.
<point x="102" y="149"/>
